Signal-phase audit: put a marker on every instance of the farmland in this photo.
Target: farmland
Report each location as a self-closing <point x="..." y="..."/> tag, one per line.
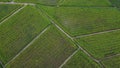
<point x="49" y="46"/>
<point x="80" y="21"/>
<point x="59" y="34"/>
<point x="20" y="33"/>
<point x="80" y="60"/>
<point x="6" y="10"/>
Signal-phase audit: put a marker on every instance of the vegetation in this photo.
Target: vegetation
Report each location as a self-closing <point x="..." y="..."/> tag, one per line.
<point x="49" y="51"/>
<point x="115" y="3"/>
<point x="113" y="62"/>
<point x="102" y="45"/>
<point x="15" y="35"/>
<point x="81" y="21"/>
<point x="81" y="60"/>
<point x="6" y="10"/>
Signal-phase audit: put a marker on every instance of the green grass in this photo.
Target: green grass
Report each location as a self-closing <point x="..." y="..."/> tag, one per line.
<point x="113" y="62"/>
<point x="48" y="51"/>
<point x="85" y="3"/>
<point x="101" y="45"/>
<point x="7" y="10"/>
<point x="115" y="3"/>
<point x="44" y="2"/>
<point x="81" y="21"/>
<point x="20" y="30"/>
<point x="81" y="60"/>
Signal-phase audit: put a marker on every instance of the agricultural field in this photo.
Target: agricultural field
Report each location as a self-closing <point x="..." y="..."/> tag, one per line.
<point x="80" y="21"/>
<point x="48" y="51"/>
<point x="101" y="45"/>
<point x="59" y="34"/>
<point x="15" y="35"/>
<point x="6" y="10"/>
<point x="115" y="3"/>
<point x="113" y="62"/>
<point x="81" y="60"/>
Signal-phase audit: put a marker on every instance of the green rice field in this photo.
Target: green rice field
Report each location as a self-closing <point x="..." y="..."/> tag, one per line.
<point x="59" y="33"/>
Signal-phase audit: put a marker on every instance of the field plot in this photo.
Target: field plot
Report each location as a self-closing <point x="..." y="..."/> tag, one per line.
<point x="86" y="3"/>
<point x="48" y="51"/>
<point x="102" y="45"/>
<point x="115" y="3"/>
<point x="81" y="60"/>
<point x="20" y="30"/>
<point x="81" y="21"/>
<point x="113" y="62"/>
<point x="44" y="2"/>
<point x="6" y="10"/>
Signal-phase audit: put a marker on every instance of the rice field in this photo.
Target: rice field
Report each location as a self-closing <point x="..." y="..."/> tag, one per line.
<point x="81" y="60"/>
<point x="7" y="10"/>
<point x="15" y="35"/>
<point x="59" y="34"/>
<point x="48" y="51"/>
<point x="81" y="21"/>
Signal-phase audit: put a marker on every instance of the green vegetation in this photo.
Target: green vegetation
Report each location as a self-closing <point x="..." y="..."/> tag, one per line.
<point x="113" y="62"/>
<point x="85" y="3"/>
<point x="101" y="45"/>
<point x="6" y="10"/>
<point x="20" y="30"/>
<point x="115" y="3"/>
<point x="49" y="51"/>
<point x="80" y="21"/>
<point x="81" y="60"/>
<point x="44" y="2"/>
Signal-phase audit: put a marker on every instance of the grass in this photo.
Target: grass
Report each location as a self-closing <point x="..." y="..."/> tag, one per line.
<point x="20" y="30"/>
<point x="49" y="51"/>
<point x="85" y="3"/>
<point x="78" y="21"/>
<point x="44" y="2"/>
<point x="101" y="45"/>
<point x="115" y="3"/>
<point x="81" y="60"/>
<point x="113" y="62"/>
<point x="7" y="10"/>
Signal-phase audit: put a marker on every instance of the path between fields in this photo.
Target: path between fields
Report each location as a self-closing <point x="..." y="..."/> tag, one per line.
<point x="97" y="33"/>
<point x="110" y="57"/>
<point x="12" y="14"/>
<point x="28" y="45"/>
<point x="69" y="58"/>
<point x="1" y="64"/>
<point x="52" y="21"/>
